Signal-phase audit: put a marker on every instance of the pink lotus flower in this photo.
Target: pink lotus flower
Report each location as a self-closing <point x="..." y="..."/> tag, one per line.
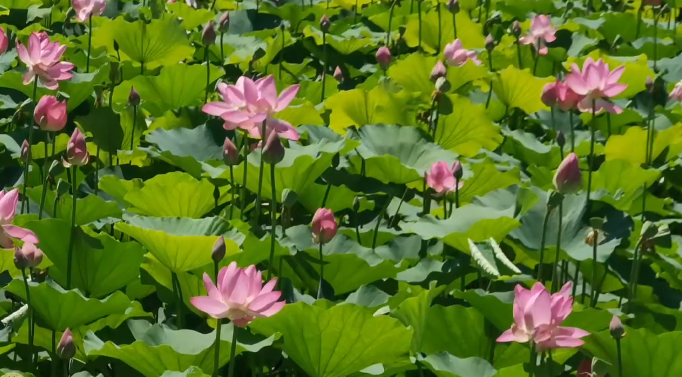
<point x="88" y="8"/>
<point x="324" y="226"/>
<point x="442" y="177"/>
<point x="239" y="296"/>
<point x="4" y="41"/>
<point x="27" y="256"/>
<point x="456" y="55"/>
<point x="383" y="57"/>
<point x="76" y="150"/>
<point x="50" y="114"/>
<point x="559" y="94"/>
<point x="597" y="84"/>
<point x="42" y="60"/>
<point x="8" y="207"/>
<point x="568" y="177"/>
<point x="247" y="103"/>
<point x="537" y="317"/>
<point x="676" y="94"/>
<point x="541" y="33"/>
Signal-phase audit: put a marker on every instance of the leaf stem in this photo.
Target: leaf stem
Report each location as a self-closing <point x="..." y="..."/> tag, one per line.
<point x="233" y="351"/>
<point x="593" y="281"/>
<point x="216" y="358"/>
<point x="260" y="173"/>
<point x="273" y="224"/>
<point x="177" y="290"/>
<point x="43" y="195"/>
<point x="419" y="15"/>
<point x="319" y="287"/>
<point x="245" y="153"/>
<point x="591" y="158"/>
<point x="208" y="73"/>
<point x="233" y="190"/>
<point x="620" y="358"/>
<point x="555" y="274"/>
<point x="542" y="243"/>
<point x="376" y="227"/>
<point x="132" y="133"/>
<point x="74" y="191"/>
<point x="24" y="203"/>
<point x="30" y="318"/>
<point x="87" y="65"/>
<point x="324" y="63"/>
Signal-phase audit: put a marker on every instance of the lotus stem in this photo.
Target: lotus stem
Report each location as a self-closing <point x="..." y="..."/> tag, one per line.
<point x="537" y="60"/>
<point x="490" y="92"/>
<point x="245" y="152"/>
<point x="233" y="186"/>
<point x="593" y="281"/>
<point x="570" y="121"/>
<point x="555" y="274"/>
<point x="355" y="14"/>
<point x="319" y="287"/>
<point x="591" y="157"/>
<point x="43" y="195"/>
<point x="281" y="56"/>
<point x="30" y="318"/>
<point x="419" y="16"/>
<point x="518" y="52"/>
<point x="260" y="173"/>
<point x="639" y="20"/>
<point x="324" y="63"/>
<point x="233" y="351"/>
<point x="74" y="190"/>
<point x="177" y="292"/>
<point x="132" y="132"/>
<point x="620" y="358"/>
<point x="222" y="50"/>
<point x="397" y="211"/>
<point x="208" y="73"/>
<point x="54" y="360"/>
<point x="376" y="227"/>
<point x="390" y="21"/>
<point x="648" y="152"/>
<point x="487" y="8"/>
<point x="533" y="359"/>
<point x="454" y="24"/>
<point x="357" y="227"/>
<point x="273" y="219"/>
<point x="575" y="278"/>
<point x="456" y="193"/>
<point x="216" y="358"/>
<point x="97" y="167"/>
<point x="440" y="26"/>
<point x="542" y="243"/>
<point x="601" y="283"/>
<point x="24" y="203"/>
<point x="633" y="272"/>
<point x="87" y="64"/>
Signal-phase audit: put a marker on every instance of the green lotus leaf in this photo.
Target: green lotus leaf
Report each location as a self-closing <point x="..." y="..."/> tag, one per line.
<point x="101" y="264"/>
<point x="88" y="209"/>
<point x="622" y="182"/>
<point x="394" y="154"/>
<point x="445" y="365"/>
<point x="469" y="32"/>
<point x="643" y="353"/>
<point x="518" y="88"/>
<point x="158" y="348"/>
<point x="59" y="309"/>
<point x="112" y="131"/>
<point x="526" y="147"/>
<point x="188" y="198"/>
<point x="519" y="8"/>
<point x="368" y="296"/>
<point x="412" y="312"/>
<point x="336" y="341"/>
<point x="191" y="18"/>
<point x="342" y="45"/>
<point x="273" y="47"/>
<point x="186" y="148"/>
<point x="160" y="42"/>
<point x="305" y="113"/>
<point x="631" y="146"/>
<point x="180" y="244"/>
<point x="7" y="263"/>
<point x="467" y="129"/>
<point x="483" y="178"/>
<point x="445" y="323"/>
<point x="359" y="107"/>
<point x="191" y="285"/>
<point x="190" y="372"/>
<point x="296" y="15"/>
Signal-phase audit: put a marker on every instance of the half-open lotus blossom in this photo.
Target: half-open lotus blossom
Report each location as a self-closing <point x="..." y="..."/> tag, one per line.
<point x="456" y="55"/>
<point x="676" y="94"/>
<point x="88" y="8"/>
<point x="559" y="94"/>
<point x="324" y="225"/>
<point x="597" y="84"/>
<point x="8" y="207"/>
<point x="239" y="296"/>
<point x="541" y="33"/>
<point x="50" y="114"/>
<point x="76" y="150"/>
<point x="4" y="41"/>
<point x="568" y="177"/>
<point x="442" y="177"/>
<point x="27" y="256"/>
<point x="538" y="316"/>
<point x="248" y="103"/>
<point x="42" y="60"/>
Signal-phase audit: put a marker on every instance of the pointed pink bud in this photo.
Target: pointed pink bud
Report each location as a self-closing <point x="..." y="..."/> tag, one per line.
<point x="568" y="177"/>
<point x="383" y="57"/>
<point x="338" y="74"/>
<point x="224" y="22"/>
<point x="489" y="42"/>
<point x="219" y="250"/>
<point x="24" y="150"/>
<point x="133" y="97"/>
<point x="324" y="226"/>
<point x="230" y="153"/>
<point x="273" y="152"/>
<point x="560" y="139"/>
<point x="457" y="170"/>
<point x="50" y="114"/>
<point x="325" y="23"/>
<point x="4" y="41"/>
<point x="616" y="328"/>
<point x="208" y="35"/>
<point x="66" y="348"/>
<point x="438" y="71"/>
<point x="516" y="28"/>
<point x="28" y="256"/>
<point x="77" y="149"/>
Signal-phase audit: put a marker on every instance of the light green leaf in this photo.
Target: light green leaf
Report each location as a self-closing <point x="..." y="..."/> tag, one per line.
<point x="359" y="107"/>
<point x="632" y="146"/>
<point x="445" y="365"/>
<point x="517" y="88"/>
<point x="187" y="198"/>
<point x="467" y="128"/>
<point x="447" y="323"/>
<point x="469" y="32"/>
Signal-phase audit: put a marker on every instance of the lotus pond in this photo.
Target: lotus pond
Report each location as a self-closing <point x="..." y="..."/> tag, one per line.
<point x="331" y="188"/>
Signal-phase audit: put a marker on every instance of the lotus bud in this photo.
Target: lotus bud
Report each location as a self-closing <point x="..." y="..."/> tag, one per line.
<point x="133" y="97"/>
<point x="50" y="114"/>
<point x="273" y="152"/>
<point x="438" y="71"/>
<point x="568" y="177"/>
<point x="66" y="348"/>
<point x="28" y="256"/>
<point x="516" y="29"/>
<point x="457" y="170"/>
<point x="489" y="43"/>
<point x="453" y="6"/>
<point x="616" y="328"/>
<point x="560" y="139"/>
<point x="649" y="84"/>
<point x="289" y="198"/>
<point x="208" y="35"/>
<point x="24" y="150"/>
<point x="4" y="41"/>
<point x="219" y="250"/>
<point x="549" y="94"/>
<point x="116" y="47"/>
<point x="224" y="22"/>
<point x="356" y="204"/>
<point x="325" y="24"/>
<point x="230" y="153"/>
<point x="383" y="57"/>
<point x="76" y="150"/>
<point x="324" y="226"/>
<point x="338" y="74"/>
